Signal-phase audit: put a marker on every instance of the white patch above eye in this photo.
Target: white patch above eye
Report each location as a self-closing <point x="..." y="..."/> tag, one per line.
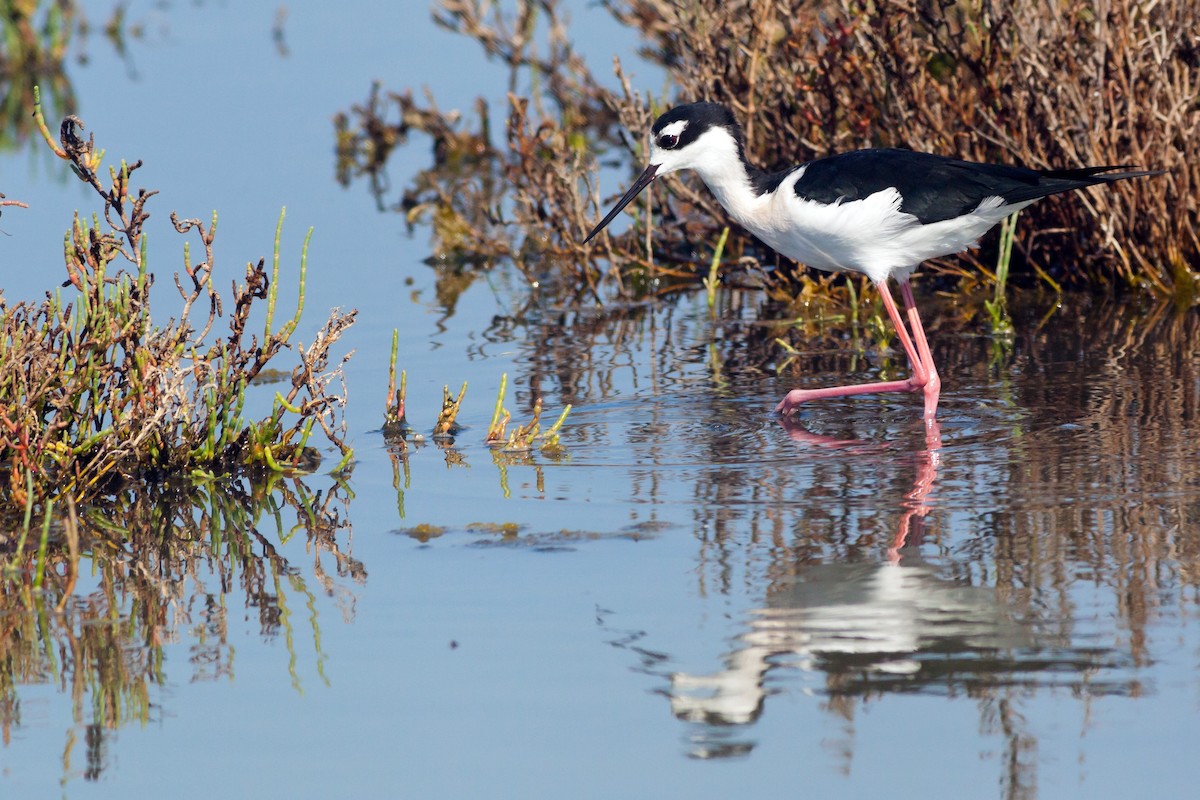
<point x="674" y="129"/>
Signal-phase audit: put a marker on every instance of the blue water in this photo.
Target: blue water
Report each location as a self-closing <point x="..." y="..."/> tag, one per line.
<point x="700" y="601"/>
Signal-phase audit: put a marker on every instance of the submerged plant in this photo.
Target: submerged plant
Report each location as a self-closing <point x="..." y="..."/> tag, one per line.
<point x="710" y="282"/>
<point x="446" y="427"/>
<point x="523" y="438"/>
<point x="394" y="417"/>
<point x="500" y="416"/>
<point x="397" y="428"/>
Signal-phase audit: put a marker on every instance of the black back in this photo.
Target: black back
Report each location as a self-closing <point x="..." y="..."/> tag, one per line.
<point x="934" y="188"/>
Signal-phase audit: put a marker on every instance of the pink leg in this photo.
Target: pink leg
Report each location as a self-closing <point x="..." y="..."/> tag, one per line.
<point x="933" y="385"/>
<point x="915" y="505"/>
<point x="916" y="347"/>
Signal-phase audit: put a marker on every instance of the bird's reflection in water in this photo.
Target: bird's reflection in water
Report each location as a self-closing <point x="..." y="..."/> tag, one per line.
<point x="896" y="623"/>
<point x="911" y="526"/>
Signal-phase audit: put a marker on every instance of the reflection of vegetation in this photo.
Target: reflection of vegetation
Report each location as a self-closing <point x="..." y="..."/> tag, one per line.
<point x="94" y="393"/>
<point x="508" y="449"/>
<point x="1095" y="506"/>
<point x="168" y="565"/>
<point x="33" y="52"/>
<point x="810" y="79"/>
<point x="1096" y="471"/>
<point x="475" y="220"/>
<point x="1068" y="498"/>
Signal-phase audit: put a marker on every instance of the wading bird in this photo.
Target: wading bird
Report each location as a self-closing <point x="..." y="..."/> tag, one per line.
<point x="879" y="212"/>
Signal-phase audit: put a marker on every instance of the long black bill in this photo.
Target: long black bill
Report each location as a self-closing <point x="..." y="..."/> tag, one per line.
<point x="644" y="180"/>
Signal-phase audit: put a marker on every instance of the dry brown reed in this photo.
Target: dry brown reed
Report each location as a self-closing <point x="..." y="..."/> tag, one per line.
<point x="1016" y="81"/>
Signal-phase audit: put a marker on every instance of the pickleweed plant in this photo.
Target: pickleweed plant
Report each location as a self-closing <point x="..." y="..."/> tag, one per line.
<point x="94" y="393"/>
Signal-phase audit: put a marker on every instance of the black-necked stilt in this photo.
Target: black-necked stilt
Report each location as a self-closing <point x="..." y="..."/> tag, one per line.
<point x="878" y="212"/>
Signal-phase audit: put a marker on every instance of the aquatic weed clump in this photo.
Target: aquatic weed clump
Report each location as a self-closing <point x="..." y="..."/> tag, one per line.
<point x="94" y="393"/>
<point x="528" y="204"/>
<point x="397" y="428"/>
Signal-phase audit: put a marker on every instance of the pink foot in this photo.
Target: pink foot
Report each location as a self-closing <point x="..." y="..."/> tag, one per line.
<point x="924" y="374"/>
<point x="792" y="400"/>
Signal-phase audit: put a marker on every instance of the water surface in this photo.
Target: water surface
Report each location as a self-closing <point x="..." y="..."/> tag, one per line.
<point x="692" y="598"/>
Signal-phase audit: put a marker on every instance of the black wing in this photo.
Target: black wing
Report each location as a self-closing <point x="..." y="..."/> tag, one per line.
<point x="935" y="188"/>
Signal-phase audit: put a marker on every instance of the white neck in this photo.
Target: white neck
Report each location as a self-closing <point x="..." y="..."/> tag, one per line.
<point x="714" y="156"/>
<point x="729" y="182"/>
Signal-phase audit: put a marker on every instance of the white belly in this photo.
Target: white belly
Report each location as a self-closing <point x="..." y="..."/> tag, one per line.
<point x="872" y="236"/>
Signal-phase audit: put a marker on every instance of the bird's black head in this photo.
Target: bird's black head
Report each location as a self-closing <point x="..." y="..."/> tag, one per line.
<point x="682" y="125"/>
<point x="677" y="141"/>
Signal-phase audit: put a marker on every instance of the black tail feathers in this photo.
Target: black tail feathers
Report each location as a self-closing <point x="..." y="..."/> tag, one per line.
<point x="1093" y="175"/>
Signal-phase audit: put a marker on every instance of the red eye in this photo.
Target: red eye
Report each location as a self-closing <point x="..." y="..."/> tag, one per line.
<point x="667" y="141"/>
